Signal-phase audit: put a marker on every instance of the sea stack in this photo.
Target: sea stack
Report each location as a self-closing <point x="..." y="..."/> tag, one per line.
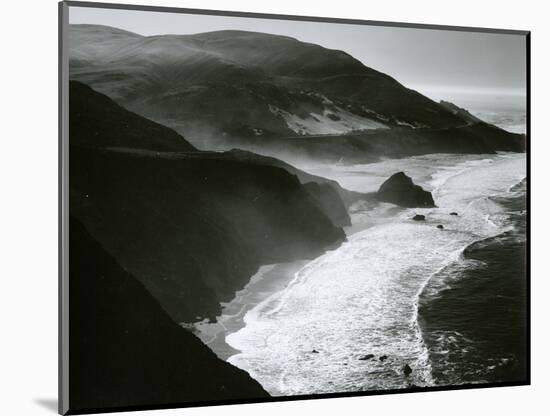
<point x="400" y="190"/>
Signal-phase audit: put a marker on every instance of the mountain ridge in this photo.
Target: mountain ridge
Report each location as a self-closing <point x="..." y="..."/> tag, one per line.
<point x="223" y="85"/>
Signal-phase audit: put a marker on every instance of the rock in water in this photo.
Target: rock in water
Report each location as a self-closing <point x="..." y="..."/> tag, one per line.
<point x="440" y="227"/>
<point x="399" y="189"/>
<point x="383" y="358"/>
<point x="407" y="370"/>
<point x="366" y="357"/>
<point x="419" y="217"/>
<point x="314" y="352"/>
<point x="453" y="213"/>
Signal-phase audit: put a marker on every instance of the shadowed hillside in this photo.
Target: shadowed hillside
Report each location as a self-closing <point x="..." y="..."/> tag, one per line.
<point x="192" y="226"/>
<point x="99" y="122"/>
<point x="126" y="351"/>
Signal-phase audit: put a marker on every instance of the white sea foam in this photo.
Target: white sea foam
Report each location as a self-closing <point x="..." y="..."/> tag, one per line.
<point x="362" y="297"/>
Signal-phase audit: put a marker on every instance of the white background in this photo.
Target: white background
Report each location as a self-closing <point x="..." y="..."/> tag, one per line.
<point x="28" y="206"/>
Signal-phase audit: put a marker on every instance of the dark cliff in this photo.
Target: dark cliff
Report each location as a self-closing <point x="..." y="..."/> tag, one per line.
<point x="126" y="351"/>
<point x="99" y="122"/>
<point x="191" y="226"/>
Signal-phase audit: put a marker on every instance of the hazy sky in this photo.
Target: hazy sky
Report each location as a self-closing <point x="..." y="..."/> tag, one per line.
<point x="438" y="63"/>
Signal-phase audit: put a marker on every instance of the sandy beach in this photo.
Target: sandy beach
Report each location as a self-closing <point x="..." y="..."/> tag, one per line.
<point x="269" y="279"/>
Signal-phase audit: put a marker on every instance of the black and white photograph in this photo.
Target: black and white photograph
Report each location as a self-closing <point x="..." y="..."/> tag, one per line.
<point x="264" y="208"/>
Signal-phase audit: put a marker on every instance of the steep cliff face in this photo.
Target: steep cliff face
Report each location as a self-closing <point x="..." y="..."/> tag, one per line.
<point x="124" y="348"/>
<point x="192" y="226"/>
<point x="329" y="196"/>
<point x="194" y="230"/>
<point x="399" y="189"/>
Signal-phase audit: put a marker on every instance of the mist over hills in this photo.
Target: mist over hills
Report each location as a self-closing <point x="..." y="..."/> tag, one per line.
<point x="162" y="233"/>
<point x="99" y="122"/>
<point x="246" y="89"/>
<point x="165" y="216"/>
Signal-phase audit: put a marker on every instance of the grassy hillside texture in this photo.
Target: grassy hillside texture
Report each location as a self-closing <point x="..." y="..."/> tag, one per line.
<point x="218" y="87"/>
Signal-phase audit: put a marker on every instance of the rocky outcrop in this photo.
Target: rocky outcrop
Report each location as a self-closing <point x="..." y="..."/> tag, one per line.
<point x="399" y="189"/>
<point x="419" y="217"/>
<point x="124" y="349"/>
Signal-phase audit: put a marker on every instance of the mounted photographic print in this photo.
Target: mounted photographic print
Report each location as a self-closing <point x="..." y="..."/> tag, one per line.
<point x="262" y="207"/>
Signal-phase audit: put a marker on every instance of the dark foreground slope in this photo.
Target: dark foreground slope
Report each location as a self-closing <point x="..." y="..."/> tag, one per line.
<point x="194" y="230"/>
<point x="126" y="351"/>
<point x="100" y="122"/>
<point x="192" y="226"/>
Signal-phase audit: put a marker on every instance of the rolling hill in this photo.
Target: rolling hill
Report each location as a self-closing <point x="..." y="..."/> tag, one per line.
<point x="230" y="89"/>
<point x="165" y="216"/>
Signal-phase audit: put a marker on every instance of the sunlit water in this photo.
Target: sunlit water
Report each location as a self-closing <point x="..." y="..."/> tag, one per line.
<point x="362" y="298"/>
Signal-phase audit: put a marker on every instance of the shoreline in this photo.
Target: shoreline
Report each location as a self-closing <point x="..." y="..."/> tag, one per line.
<point x="269" y="279"/>
<point x="495" y="350"/>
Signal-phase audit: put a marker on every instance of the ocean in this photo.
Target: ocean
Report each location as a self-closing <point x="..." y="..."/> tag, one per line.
<point x="506" y="111"/>
<point x="449" y="304"/>
<point x="473" y="313"/>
